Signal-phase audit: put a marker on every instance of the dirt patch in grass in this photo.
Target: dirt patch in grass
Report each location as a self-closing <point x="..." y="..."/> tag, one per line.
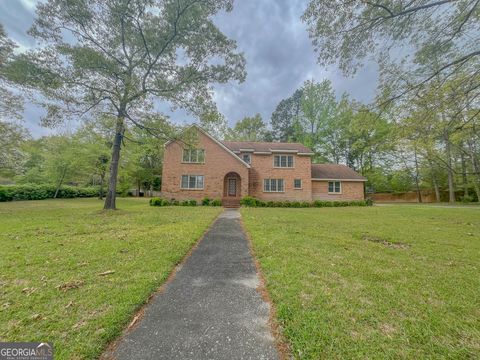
<point x="392" y="245"/>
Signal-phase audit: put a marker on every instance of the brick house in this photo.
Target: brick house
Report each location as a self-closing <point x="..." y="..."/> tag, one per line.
<point x="230" y="170"/>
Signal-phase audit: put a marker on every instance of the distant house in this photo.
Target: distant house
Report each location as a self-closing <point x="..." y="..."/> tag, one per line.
<point x="230" y="170"/>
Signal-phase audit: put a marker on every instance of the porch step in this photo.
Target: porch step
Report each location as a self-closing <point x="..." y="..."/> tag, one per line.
<point x="231" y="203"/>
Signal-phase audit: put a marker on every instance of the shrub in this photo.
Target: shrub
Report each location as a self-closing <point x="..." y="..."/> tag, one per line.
<point x="467" y="199"/>
<point x="41" y="192"/>
<point x="248" y="201"/>
<point x="253" y="202"/>
<point x="305" y="204"/>
<point x="295" y="204"/>
<point x="206" y="201"/>
<point x="159" y="202"/>
<point x="174" y="202"/>
<point x="216" y="202"/>
<point x="185" y="203"/>
<point x="192" y="203"/>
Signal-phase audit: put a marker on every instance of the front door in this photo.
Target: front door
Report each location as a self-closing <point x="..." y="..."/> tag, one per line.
<point x="232" y="187"/>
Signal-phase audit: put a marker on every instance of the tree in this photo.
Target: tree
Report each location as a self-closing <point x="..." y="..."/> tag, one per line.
<point x="66" y="159"/>
<point x="119" y="56"/>
<point x="317" y="117"/>
<point x="249" y="129"/>
<point x="285" y="116"/>
<point x="144" y="155"/>
<point x="346" y="32"/>
<point x="12" y="140"/>
<point x="10" y="104"/>
<point x="215" y="124"/>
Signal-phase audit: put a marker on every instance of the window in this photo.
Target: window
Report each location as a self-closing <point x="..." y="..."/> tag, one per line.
<point x="334" y="187"/>
<point x="297" y="183"/>
<point x="273" y="185"/>
<point x="283" y="161"/>
<point x="194" y="156"/>
<point x="246" y="158"/>
<point x="192" y="182"/>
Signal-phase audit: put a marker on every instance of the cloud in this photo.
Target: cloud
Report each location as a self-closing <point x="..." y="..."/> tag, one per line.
<point x="275" y="42"/>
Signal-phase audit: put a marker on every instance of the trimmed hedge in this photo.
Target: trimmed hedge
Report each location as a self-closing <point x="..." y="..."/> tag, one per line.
<point x="253" y="202"/>
<point x="156" y="201"/>
<point x="41" y="192"/>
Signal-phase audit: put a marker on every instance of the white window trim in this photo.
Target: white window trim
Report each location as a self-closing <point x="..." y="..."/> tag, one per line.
<point x="196" y="180"/>
<point x="301" y="184"/>
<point x="249" y="162"/>
<point x="284" y="167"/>
<point x="276" y="191"/>
<point x="334" y="192"/>
<point x="193" y="162"/>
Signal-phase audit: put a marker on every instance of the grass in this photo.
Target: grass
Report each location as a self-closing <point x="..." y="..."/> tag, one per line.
<point x="53" y="251"/>
<point x="391" y="282"/>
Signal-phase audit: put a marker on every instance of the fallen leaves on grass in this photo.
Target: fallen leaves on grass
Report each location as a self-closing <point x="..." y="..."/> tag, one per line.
<point x="69" y="305"/>
<point x="29" y="291"/>
<point x="393" y="245"/>
<point x="109" y="272"/>
<point x="71" y="285"/>
<point x="79" y="324"/>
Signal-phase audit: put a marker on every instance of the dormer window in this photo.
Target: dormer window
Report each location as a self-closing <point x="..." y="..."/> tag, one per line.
<point x="193" y="156"/>
<point x="247" y="158"/>
<point x="283" y="161"/>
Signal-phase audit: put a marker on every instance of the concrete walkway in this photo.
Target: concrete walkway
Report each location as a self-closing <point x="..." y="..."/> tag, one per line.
<point x="211" y="309"/>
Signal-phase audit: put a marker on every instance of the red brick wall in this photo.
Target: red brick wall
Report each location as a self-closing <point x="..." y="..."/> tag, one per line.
<point x="351" y="190"/>
<point x="262" y="168"/>
<point x="218" y="162"/>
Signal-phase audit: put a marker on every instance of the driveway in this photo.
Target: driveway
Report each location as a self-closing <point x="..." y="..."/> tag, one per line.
<point x="211" y="309"/>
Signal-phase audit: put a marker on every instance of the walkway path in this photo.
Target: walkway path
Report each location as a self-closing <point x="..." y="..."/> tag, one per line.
<point x="211" y="309"/>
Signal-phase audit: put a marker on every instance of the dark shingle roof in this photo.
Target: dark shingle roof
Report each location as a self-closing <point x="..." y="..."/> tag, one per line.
<point x="335" y="172"/>
<point x="266" y="146"/>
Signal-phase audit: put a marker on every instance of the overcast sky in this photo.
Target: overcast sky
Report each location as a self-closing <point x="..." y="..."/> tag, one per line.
<point x="274" y="40"/>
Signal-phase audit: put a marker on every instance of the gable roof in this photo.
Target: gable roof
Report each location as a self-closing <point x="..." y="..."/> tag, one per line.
<point x="219" y="143"/>
<point x="335" y="172"/>
<point x="267" y="147"/>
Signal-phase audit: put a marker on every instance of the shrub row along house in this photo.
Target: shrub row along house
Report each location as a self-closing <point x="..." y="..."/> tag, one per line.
<point x="270" y="171"/>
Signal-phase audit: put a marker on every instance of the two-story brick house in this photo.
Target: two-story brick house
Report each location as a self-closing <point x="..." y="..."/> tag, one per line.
<point x="229" y="170"/>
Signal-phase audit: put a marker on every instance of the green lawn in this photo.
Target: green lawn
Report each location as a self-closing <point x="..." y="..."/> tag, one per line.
<point x="389" y="282"/>
<point x="53" y="251"/>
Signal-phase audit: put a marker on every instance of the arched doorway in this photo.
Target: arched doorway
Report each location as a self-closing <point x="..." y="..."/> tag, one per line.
<point x="232" y="185"/>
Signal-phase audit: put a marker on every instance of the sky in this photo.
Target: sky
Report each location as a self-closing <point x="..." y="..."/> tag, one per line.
<point x="276" y="46"/>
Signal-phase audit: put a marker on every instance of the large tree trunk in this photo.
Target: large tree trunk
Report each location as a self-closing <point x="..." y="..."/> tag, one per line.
<point x="451" y="186"/>
<point x="417" y="181"/>
<point x="112" y="186"/>
<point x="102" y="180"/>
<point x="434" y="181"/>
<point x="60" y="182"/>
<point x="476" y="169"/>
<point x="464" y="175"/>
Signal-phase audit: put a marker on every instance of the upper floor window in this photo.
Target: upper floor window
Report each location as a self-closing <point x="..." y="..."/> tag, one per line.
<point x="297" y="183"/>
<point x="273" y="185"/>
<point x="334" y="187"/>
<point x="283" y="161"/>
<point x="247" y="158"/>
<point x="192" y="182"/>
<point x="194" y="156"/>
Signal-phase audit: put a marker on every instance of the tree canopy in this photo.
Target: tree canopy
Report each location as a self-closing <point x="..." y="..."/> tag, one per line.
<point x="442" y="35"/>
<point x="118" y="57"/>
